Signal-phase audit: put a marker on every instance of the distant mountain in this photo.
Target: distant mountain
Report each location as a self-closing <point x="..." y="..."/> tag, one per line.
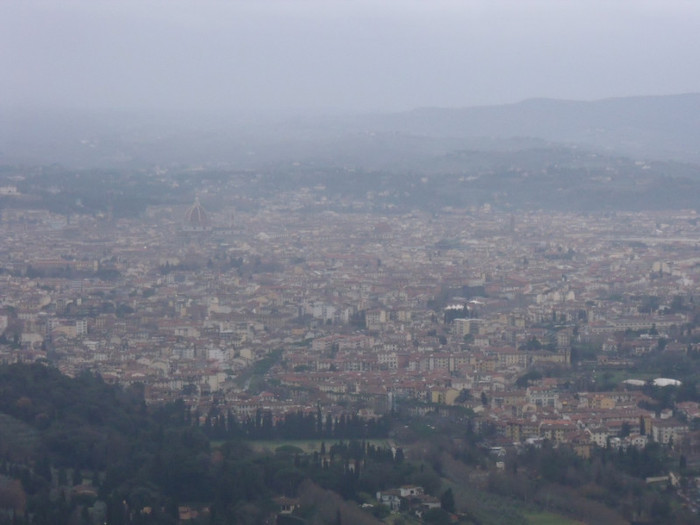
<point x="643" y="128"/>
<point x="660" y="127"/>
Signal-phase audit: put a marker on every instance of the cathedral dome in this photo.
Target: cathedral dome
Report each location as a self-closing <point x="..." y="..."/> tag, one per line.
<point x="196" y="218"/>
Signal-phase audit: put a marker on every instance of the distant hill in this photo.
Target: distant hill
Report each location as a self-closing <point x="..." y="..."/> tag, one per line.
<point x="661" y="127"/>
<point x="644" y="128"/>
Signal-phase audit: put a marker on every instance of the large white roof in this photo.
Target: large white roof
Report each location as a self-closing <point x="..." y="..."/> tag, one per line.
<point x="663" y="381"/>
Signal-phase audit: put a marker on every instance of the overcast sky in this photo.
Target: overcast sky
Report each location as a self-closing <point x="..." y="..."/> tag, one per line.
<point x="337" y="54"/>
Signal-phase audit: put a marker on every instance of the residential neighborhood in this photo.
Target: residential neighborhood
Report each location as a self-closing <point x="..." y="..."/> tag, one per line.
<point x="526" y="320"/>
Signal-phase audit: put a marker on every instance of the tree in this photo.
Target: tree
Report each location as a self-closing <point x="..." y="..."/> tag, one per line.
<point x="625" y="429"/>
<point x="447" y="501"/>
<point x="484" y="399"/>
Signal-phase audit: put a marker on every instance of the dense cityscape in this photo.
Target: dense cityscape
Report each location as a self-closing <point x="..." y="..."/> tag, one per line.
<point x="331" y="262"/>
<point x="575" y="330"/>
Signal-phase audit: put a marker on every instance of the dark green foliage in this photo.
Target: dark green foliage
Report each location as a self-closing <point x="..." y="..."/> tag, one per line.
<point x="447" y="501"/>
<point x="437" y="517"/>
<point x="88" y="432"/>
<point x="524" y="380"/>
<point x="610" y="485"/>
<point x="297" y="425"/>
<point x="83" y="420"/>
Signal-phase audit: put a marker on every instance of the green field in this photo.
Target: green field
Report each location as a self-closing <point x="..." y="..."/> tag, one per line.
<point x="547" y="518"/>
<point x="617" y="376"/>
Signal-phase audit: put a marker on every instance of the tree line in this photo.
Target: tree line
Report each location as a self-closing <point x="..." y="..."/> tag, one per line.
<point x="223" y="424"/>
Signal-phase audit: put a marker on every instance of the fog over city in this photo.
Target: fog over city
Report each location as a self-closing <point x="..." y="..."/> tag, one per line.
<point x="337" y="55"/>
<point x="326" y="262"/>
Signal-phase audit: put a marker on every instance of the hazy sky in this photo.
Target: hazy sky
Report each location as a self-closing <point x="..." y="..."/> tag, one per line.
<point x="356" y="55"/>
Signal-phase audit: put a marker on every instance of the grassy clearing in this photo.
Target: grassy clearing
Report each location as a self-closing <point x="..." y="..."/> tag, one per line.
<point x="547" y="518"/>
<point x="617" y="376"/>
